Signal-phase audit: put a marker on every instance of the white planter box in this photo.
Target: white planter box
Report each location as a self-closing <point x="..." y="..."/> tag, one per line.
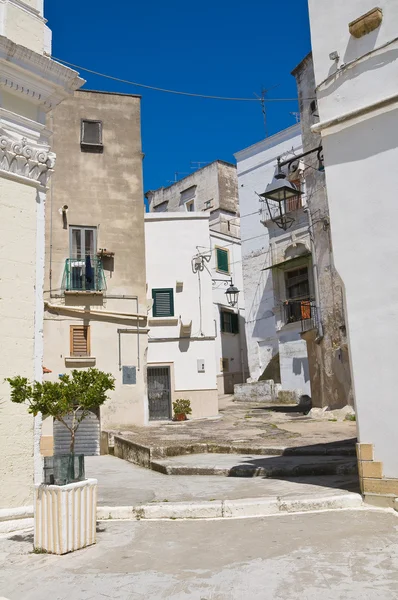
<point x="65" y="516"/>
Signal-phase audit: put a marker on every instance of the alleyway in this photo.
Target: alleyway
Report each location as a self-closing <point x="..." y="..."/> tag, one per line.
<point x="350" y="555"/>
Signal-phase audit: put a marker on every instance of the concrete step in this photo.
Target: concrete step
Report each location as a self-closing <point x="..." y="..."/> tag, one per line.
<point x="243" y="465"/>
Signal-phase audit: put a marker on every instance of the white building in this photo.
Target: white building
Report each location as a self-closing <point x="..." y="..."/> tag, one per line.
<point x="355" y="52"/>
<point x="213" y="190"/>
<point x="277" y="268"/>
<point x="229" y="321"/>
<point x="31" y="84"/>
<point x="181" y="342"/>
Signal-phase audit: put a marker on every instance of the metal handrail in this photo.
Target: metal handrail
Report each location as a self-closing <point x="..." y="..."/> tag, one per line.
<point x="84" y="274"/>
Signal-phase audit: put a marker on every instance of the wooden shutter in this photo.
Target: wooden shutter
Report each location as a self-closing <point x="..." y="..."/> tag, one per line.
<point x="79" y="340"/>
<point x="234" y="323"/>
<point x="163" y="303"/>
<point x="222" y="260"/>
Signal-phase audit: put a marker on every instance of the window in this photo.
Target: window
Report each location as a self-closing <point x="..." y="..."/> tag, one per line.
<point x="222" y="260"/>
<point x="82" y="242"/>
<point x="295" y="202"/>
<point x="79" y="340"/>
<point x="163" y="303"/>
<point x="229" y="322"/>
<point x="190" y="206"/>
<point x="91" y="135"/>
<point x="208" y="204"/>
<point x="224" y="365"/>
<point x="297" y="294"/>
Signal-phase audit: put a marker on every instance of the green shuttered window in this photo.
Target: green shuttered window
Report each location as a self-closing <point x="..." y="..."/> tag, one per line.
<point x="222" y="260"/>
<point x="163" y="302"/>
<point x="229" y="322"/>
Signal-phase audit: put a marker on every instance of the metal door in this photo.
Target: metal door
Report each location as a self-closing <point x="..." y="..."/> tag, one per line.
<point x="159" y="399"/>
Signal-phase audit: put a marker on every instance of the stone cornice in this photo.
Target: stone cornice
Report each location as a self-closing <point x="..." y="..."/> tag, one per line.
<point x="25" y="159"/>
<point x="25" y="7"/>
<point x="39" y="78"/>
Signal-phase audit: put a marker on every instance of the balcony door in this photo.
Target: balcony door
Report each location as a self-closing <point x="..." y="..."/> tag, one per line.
<point x="82" y="242"/>
<point x="83" y="259"/>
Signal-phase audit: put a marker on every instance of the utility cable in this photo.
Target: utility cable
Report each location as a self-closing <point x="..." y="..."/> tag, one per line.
<point x="158" y="89"/>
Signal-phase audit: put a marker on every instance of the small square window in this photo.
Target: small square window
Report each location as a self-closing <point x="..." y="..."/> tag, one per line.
<point x="190" y="206"/>
<point x="163" y="302"/>
<point x="222" y="260"/>
<point x="224" y="365"/>
<point x="91" y="136"/>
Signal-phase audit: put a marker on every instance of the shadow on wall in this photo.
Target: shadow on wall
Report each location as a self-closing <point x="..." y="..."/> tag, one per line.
<point x="350" y="145"/>
<point x="357" y="47"/>
<point x="183" y="345"/>
<point x="372" y="63"/>
<point x="300" y="366"/>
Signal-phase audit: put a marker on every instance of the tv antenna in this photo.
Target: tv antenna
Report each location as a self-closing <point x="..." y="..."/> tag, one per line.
<point x="176" y="175"/>
<point x="264" y="92"/>
<point x="296" y="115"/>
<point x="198" y="164"/>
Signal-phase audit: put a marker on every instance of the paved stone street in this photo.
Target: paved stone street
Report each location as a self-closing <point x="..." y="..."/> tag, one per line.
<point x="246" y="424"/>
<point x="340" y="555"/>
<point x="121" y="484"/>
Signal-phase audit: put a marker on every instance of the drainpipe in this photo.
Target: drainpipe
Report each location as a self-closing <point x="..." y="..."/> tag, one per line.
<point x="316" y="278"/>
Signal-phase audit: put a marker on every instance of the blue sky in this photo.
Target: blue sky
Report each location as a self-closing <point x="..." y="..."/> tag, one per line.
<point x="216" y="47"/>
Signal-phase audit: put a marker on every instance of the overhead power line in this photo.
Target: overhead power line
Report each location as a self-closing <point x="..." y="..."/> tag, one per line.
<point x="158" y="89"/>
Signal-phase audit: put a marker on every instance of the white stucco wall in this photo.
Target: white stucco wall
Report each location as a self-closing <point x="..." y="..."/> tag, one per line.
<point x="256" y="168"/>
<point x="171" y="242"/>
<point x="23" y="23"/>
<point x="229" y="345"/>
<point x="361" y="174"/>
<point x="17" y="301"/>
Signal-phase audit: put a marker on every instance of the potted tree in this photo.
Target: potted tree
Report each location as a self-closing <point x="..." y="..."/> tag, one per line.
<point x="181" y="409"/>
<point x="65" y="504"/>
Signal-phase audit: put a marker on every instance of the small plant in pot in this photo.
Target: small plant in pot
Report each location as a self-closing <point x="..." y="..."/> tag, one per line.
<point x="181" y="409"/>
<point x="68" y="400"/>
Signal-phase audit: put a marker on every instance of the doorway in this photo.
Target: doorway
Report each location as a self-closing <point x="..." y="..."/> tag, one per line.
<point x="159" y="393"/>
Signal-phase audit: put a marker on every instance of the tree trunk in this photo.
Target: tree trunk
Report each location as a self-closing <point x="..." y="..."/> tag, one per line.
<point x="72" y="442"/>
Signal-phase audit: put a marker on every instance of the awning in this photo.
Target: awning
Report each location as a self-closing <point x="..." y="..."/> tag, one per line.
<point x="288" y="263"/>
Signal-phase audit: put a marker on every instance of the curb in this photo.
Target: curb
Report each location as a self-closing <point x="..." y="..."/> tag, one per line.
<point x="226" y="509"/>
<point x="345" y="467"/>
<point x="218" y="509"/>
<point x="144" y="456"/>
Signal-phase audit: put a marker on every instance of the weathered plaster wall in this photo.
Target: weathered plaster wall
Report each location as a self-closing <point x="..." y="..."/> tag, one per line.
<point x="261" y="247"/>
<point x="330" y="371"/>
<point x="103" y="190"/>
<point x="215" y="191"/>
<point x="362" y="205"/>
<point x="17" y="301"/>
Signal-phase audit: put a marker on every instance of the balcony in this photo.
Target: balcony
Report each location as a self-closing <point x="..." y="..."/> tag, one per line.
<point x="84" y="275"/>
<point x="303" y="311"/>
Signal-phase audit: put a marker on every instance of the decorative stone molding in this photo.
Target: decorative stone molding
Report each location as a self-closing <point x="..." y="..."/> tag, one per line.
<point x="43" y="80"/>
<point x="25" y="159"/>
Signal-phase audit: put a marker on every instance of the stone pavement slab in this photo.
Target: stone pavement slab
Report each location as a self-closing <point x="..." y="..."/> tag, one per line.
<point x="243" y="465"/>
<point x="339" y="555"/>
<point x="123" y="484"/>
<point x="245" y="425"/>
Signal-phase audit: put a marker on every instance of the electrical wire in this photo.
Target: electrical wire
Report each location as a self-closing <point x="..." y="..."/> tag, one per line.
<point x="165" y="90"/>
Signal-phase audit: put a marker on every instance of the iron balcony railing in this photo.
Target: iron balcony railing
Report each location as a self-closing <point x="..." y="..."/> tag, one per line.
<point x="303" y="311"/>
<point x="84" y="275"/>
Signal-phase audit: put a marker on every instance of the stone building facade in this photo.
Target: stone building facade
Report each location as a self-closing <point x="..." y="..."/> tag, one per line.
<point x="95" y="282"/>
<point x="31" y="85"/>
<point x="327" y="341"/>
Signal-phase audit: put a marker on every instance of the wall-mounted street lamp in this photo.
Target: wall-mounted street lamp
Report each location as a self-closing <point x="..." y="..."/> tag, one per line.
<point x="281" y="190"/>
<point x="232" y="292"/>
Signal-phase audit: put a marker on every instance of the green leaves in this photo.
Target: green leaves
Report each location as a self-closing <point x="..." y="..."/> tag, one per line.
<point x="182" y="407"/>
<point x="81" y="390"/>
